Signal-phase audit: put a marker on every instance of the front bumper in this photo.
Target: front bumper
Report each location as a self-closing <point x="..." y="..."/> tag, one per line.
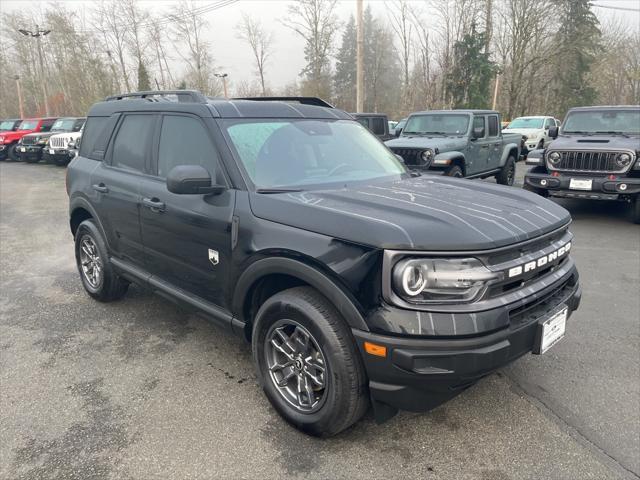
<point x="31" y="152"/>
<point x="418" y="374"/>
<point x="602" y="188"/>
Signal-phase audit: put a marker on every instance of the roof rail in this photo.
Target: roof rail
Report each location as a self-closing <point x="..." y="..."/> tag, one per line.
<point x="315" y="101"/>
<point x="192" y="96"/>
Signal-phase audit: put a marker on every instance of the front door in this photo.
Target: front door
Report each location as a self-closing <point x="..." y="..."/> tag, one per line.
<point x="187" y="238"/>
<point x="478" y="149"/>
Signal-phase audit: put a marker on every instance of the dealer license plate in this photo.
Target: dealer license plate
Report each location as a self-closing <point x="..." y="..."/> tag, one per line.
<point x="23" y="149"/>
<point x="551" y="331"/>
<point x="580" y="184"/>
<point x="52" y="151"/>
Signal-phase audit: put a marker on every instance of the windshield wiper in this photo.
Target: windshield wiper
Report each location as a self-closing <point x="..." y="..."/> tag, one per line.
<point x="278" y="190"/>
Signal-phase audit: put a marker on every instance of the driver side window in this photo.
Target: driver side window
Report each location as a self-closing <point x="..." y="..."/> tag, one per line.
<point x="478" y="122"/>
<point x="185" y="141"/>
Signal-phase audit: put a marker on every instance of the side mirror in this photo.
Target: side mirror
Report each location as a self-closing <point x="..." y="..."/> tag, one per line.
<point x="192" y="180"/>
<point x="478" y="132"/>
<point x="553" y="132"/>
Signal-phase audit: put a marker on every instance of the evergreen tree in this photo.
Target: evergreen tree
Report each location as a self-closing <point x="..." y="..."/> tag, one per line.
<point x="468" y="84"/>
<point x="344" y="80"/>
<point x="143" y="78"/>
<point x="577" y="44"/>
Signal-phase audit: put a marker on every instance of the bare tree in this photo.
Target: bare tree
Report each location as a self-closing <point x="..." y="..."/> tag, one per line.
<point x="261" y="42"/>
<point x="400" y="16"/>
<point x="108" y="21"/>
<point x="315" y="21"/>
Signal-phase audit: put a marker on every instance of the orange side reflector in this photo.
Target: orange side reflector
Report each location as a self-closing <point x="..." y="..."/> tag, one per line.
<point x="373" y="349"/>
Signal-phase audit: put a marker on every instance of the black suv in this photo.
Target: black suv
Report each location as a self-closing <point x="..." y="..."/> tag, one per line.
<point x="292" y="225"/>
<point x="595" y="155"/>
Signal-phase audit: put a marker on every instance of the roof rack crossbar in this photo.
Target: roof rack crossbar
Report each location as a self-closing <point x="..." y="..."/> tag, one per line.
<point x="192" y="96"/>
<point x="315" y="101"/>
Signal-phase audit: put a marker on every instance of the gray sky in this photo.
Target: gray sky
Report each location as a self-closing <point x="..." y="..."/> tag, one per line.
<point x="234" y="56"/>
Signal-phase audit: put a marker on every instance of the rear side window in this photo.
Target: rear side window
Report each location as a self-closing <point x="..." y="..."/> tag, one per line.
<point x="131" y="144"/>
<point x="377" y="125"/>
<point x="493" y="125"/>
<point x="185" y="141"/>
<point x="90" y="135"/>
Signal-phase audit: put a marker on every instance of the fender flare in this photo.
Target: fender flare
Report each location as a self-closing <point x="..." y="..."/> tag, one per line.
<point x="81" y="202"/>
<point x="506" y="150"/>
<point x="447" y="158"/>
<point x="304" y="272"/>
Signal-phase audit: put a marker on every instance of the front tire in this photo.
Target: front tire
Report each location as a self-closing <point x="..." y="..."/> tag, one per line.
<point x="96" y="272"/>
<point x="507" y="174"/>
<point x="308" y="363"/>
<point x="12" y="154"/>
<point x="454" y="171"/>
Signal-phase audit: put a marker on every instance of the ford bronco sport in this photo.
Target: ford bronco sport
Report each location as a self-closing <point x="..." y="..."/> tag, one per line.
<point x="595" y="155"/>
<point x="293" y="226"/>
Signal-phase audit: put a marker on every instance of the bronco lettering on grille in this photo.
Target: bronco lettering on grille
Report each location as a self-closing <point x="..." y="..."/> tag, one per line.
<point x="540" y="262"/>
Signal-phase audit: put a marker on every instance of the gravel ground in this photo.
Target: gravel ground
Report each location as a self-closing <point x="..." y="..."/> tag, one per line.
<point x="141" y="389"/>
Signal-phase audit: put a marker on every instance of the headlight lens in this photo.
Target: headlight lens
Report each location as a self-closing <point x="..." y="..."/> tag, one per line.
<point x="438" y="280"/>
<point x="427" y="156"/>
<point x="554" y="158"/>
<point x="42" y="141"/>
<point x="623" y="160"/>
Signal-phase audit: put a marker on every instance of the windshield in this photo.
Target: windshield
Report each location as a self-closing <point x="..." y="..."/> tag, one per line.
<point x="443" y="124"/>
<point x="28" y="125"/>
<point x="603" y="121"/>
<point x="63" y="125"/>
<point x="294" y="152"/>
<point x="526" y="123"/>
<point x="7" y="125"/>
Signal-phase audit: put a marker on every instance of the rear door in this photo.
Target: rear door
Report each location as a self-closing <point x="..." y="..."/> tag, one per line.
<point x="116" y="183"/>
<point x="187" y="238"/>
<point x="495" y="142"/>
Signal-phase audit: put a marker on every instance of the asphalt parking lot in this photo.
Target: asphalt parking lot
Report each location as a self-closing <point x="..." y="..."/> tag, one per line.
<point x="140" y="389"/>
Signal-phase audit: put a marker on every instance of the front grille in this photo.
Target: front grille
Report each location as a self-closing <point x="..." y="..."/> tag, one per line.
<point x="542" y="305"/>
<point x="411" y="156"/>
<point x="588" y="161"/>
<point x="58" y="142"/>
<point x="28" y="140"/>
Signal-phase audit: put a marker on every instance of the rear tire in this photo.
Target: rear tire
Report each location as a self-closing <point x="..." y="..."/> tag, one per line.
<point x="92" y="259"/>
<point x="635" y="209"/>
<point x="507" y="174"/>
<point x="454" y="171"/>
<point x="320" y="386"/>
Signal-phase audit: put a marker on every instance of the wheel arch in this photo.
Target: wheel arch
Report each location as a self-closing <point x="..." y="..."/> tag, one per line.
<point x="510" y="149"/>
<point x="81" y="210"/>
<point x="268" y="276"/>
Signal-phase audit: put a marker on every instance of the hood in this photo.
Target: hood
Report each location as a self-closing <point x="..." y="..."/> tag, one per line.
<point x="15" y="135"/>
<point x="596" y="142"/>
<point x="443" y="144"/>
<point x="522" y="131"/>
<point x="41" y="134"/>
<point x="423" y="213"/>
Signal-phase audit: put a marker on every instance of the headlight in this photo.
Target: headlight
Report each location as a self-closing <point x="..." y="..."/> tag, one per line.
<point x="554" y="158"/>
<point x="1" y="140"/>
<point x="42" y="141"/>
<point x="623" y="160"/>
<point x="426" y="156"/>
<point x="438" y="280"/>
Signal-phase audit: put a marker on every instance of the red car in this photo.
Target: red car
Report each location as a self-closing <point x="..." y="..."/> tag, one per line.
<point x="9" y="139"/>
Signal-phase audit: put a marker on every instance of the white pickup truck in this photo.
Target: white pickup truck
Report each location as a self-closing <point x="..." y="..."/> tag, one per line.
<point x="535" y="129"/>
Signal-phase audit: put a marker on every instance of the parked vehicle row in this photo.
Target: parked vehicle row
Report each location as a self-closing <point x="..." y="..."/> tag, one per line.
<point x="32" y="140"/>
<point x="357" y="281"/>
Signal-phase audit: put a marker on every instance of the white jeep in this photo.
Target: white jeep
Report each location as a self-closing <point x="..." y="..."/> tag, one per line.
<point x="61" y="146"/>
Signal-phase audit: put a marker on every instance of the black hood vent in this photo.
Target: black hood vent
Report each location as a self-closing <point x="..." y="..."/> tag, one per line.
<point x="602" y="140"/>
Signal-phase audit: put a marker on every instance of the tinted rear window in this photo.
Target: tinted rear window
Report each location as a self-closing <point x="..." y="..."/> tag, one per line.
<point x="90" y="135"/>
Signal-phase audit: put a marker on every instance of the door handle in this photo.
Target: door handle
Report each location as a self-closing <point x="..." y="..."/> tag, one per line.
<point x="100" y="187"/>
<point x="153" y="204"/>
<point x="484" y="146"/>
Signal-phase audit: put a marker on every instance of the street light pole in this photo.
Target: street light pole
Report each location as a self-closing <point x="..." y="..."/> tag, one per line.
<point x="223" y="76"/>
<point x="20" y="101"/>
<point x="359" y="58"/>
<point x="38" y="34"/>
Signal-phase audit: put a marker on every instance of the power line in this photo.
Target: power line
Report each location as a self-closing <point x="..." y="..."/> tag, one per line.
<point x="611" y="7"/>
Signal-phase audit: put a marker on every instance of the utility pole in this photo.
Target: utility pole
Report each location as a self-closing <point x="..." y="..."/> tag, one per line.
<point x="359" y="57"/>
<point x="38" y="34"/>
<point x="495" y="91"/>
<point x="20" y="101"/>
<point x="223" y="76"/>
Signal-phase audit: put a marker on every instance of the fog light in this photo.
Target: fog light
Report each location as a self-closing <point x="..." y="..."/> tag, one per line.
<point x="622" y="186"/>
<point x="543" y="183"/>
